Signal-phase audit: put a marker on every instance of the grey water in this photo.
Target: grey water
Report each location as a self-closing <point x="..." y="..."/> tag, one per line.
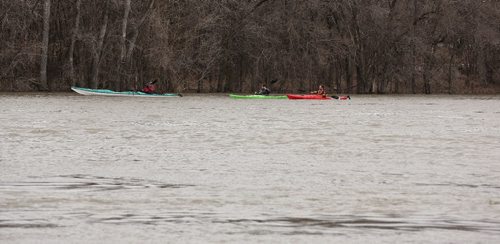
<point x="209" y="169"/>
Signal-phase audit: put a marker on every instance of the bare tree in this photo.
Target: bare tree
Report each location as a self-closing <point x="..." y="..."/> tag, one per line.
<point x="363" y="46"/>
<point x="45" y="45"/>
<point x="74" y="38"/>
<point x="123" y="43"/>
<point x="97" y="49"/>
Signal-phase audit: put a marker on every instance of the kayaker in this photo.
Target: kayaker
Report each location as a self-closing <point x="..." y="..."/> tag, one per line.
<point x="263" y="91"/>
<point x="150" y="87"/>
<point x="321" y="91"/>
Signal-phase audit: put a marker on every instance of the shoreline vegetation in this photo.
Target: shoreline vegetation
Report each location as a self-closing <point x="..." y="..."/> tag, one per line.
<point x="486" y="92"/>
<point x="350" y="46"/>
<point x="480" y="90"/>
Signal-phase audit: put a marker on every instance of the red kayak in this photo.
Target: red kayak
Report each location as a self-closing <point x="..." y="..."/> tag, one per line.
<point x="309" y="97"/>
<point x="316" y="97"/>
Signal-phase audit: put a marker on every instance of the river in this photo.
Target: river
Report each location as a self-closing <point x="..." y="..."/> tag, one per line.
<point x="209" y="169"/>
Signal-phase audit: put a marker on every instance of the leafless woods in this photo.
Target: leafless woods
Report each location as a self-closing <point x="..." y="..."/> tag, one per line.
<point x="352" y="46"/>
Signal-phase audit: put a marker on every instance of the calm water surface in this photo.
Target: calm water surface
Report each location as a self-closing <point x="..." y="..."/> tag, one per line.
<point x="405" y="169"/>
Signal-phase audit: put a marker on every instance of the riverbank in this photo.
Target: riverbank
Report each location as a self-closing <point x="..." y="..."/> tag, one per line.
<point x="476" y="90"/>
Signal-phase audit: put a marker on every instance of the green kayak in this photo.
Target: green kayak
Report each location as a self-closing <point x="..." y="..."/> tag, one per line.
<point x="257" y="96"/>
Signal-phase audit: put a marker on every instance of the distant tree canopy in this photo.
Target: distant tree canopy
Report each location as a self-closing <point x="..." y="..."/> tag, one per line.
<point x="352" y="46"/>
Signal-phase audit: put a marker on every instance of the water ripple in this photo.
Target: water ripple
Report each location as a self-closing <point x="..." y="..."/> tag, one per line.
<point x="359" y="222"/>
<point x="89" y="183"/>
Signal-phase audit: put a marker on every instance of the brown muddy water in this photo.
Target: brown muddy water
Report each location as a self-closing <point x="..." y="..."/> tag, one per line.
<point x="208" y="169"/>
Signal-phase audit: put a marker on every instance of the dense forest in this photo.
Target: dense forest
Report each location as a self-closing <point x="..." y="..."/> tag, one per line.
<point x="351" y="46"/>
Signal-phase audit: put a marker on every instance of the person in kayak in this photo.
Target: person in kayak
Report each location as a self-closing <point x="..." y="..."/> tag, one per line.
<point x="263" y="91"/>
<point x="150" y="87"/>
<point x="321" y="91"/>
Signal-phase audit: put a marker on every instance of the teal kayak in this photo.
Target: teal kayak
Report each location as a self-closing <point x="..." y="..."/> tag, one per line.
<point x="104" y="92"/>
<point x="257" y="96"/>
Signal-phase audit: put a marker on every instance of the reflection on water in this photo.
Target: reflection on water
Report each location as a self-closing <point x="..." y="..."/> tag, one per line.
<point x="211" y="169"/>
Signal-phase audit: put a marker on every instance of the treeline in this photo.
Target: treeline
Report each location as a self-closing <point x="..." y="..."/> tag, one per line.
<point x="352" y="46"/>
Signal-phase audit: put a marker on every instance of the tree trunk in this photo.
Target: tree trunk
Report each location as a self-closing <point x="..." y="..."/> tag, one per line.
<point x="45" y="45"/>
<point x="414" y="48"/>
<point x="123" y="44"/>
<point x="381" y="87"/>
<point x="348" y="75"/>
<point x="450" y="74"/>
<point x="396" y="86"/>
<point x="338" y="79"/>
<point x="74" y="37"/>
<point x="199" y="86"/>
<point x="427" y="77"/>
<point x="360" y="79"/>
<point x="124" y="31"/>
<point x="427" y="73"/>
<point x="98" y="52"/>
<point x="486" y="71"/>
<point x="135" y="34"/>
<point x="240" y="81"/>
